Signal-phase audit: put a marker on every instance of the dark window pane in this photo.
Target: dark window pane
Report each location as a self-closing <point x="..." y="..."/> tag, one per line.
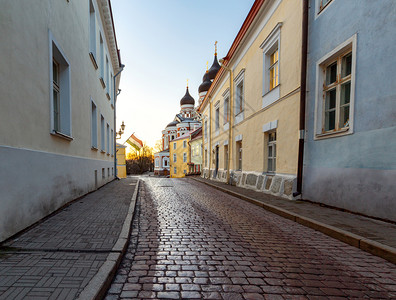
<point x="345" y="93"/>
<point x="346" y="65"/>
<point x="331" y="73"/>
<point x="331" y="99"/>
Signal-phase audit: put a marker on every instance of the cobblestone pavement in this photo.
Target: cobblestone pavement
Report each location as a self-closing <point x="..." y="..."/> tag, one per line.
<point x="57" y="258"/>
<point x="190" y="241"/>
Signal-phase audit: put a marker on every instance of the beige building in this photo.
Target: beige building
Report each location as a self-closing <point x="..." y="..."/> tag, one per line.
<point x="58" y="61"/>
<point x="121" y="161"/>
<point x="250" y="114"/>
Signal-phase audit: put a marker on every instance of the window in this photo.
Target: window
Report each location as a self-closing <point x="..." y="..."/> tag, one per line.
<point x="271" y="151"/>
<point x="92" y="34"/>
<point x="184" y="144"/>
<point x="226" y="109"/>
<point x="107" y="78"/>
<point x="217" y="118"/>
<point x="273" y="70"/>
<point x="174" y="146"/>
<point x="60" y="95"/>
<point x="239" y="98"/>
<point x="206" y="158"/>
<point x="108" y="139"/>
<point x="103" y="173"/>
<point x="226" y="157"/>
<point x="184" y="157"/>
<point x="206" y="130"/>
<point x="174" y="157"/>
<point x="184" y="171"/>
<point x="157" y="162"/>
<point x="335" y="91"/>
<point x="94" y="126"/>
<point x="174" y="170"/>
<point x="111" y="89"/>
<point x="165" y="161"/>
<point x="102" y="134"/>
<point x="102" y="62"/>
<point x="239" y="155"/>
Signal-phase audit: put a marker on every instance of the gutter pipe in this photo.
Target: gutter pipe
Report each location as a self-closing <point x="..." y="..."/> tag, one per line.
<point x="303" y="91"/>
<point x="115" y="125"/>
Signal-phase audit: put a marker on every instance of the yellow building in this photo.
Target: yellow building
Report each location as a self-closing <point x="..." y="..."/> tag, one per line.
<point x="179" y="156"/>
<point x="121" y="161"/>
<point x="250" y="113"/>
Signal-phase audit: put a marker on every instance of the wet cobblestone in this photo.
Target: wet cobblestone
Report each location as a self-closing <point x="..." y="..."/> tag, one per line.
<point x="190" y="241"/>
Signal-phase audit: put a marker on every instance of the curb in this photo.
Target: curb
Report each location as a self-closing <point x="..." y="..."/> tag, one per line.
<point x="96" y="289"/>
<point x="370" y="246"/>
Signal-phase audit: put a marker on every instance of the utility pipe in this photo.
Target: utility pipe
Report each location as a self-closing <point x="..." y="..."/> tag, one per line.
<point x="115" y="125"/>
<point x="303" y="91"/>
<point x="230" y="104"/>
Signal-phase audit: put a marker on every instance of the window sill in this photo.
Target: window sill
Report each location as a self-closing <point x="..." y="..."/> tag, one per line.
<point x="94" y="148"/>
<point x="108" y="96"/>
<point x="271" y="96"/>
<point x="108" y="154"/>
<point x="61" y="135"/>
<point x="102" y="151"/>
<point x="92" y="56"/>
<point x="341" y="132"/>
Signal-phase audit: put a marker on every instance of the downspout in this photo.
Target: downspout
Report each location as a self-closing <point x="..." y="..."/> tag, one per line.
<point x="230" y="103"/>
<point x="210" y="134"/>
<point x="115" y="124"/>
<point x="303" y="90"/>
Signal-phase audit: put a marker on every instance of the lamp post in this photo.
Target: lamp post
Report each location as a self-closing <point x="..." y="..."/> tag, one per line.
<point x="120" y="131"/>
<point x="115" y="101"/>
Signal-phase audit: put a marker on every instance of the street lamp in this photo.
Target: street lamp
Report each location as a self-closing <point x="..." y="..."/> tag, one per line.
<point x="120" y="131"/>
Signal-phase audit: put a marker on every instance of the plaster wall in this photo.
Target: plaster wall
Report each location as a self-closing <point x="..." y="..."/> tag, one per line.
<point x="34" y="184"/>
<point x="39" y="171"/>
<point x="357" y="171"/>
<point x="179" y="151"/>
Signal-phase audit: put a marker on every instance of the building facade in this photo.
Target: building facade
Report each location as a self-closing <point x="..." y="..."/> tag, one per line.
<point x="179" y="151"/>
<point x="195" y="142"/>
<point x="350" y="147"/>
<point x="121" y="161"/>
<point x="250" y="113"/>
<point x="57" y="106"/>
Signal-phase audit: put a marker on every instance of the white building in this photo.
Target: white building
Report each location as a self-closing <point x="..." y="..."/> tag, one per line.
<point x="58" y="60"/>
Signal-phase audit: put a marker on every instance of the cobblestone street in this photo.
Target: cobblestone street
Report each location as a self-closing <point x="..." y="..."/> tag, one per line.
<point x="191" y="241"/>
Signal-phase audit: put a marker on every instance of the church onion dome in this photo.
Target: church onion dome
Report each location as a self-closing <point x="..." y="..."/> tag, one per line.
<point x="214" y="68"/>
<point x="187" y="99"/>
<point x="171" y="124"/>
<point x="205" y="85"/>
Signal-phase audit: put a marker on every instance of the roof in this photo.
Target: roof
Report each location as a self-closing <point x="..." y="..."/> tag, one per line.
<point x="237" y="41"/>
<point x="196" y="134"/>
<point x="185" y="136"/>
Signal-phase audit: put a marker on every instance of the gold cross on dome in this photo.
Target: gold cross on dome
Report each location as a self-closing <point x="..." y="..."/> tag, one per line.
<point x="216" y="47"/>
<point x="207" y="65"/>
<point x="187" y="82"/>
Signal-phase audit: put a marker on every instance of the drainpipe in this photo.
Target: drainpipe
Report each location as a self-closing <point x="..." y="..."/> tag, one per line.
<point x="230" y="104"/>
<point x="210" y="133"/>
<point x="115" y="125"/>
<point x="303" y="90"/>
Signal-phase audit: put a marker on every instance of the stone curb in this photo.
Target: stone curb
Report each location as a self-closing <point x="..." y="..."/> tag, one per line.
<point x="371" y="246"/>
<point x="96" y="289"/>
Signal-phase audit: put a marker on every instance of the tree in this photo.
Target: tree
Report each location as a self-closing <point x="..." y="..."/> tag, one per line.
<point x="158" y="146"/>
<point x="140" y="161"/>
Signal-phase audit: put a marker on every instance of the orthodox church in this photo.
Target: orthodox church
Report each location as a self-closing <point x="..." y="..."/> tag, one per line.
<point x="184" y="122"/>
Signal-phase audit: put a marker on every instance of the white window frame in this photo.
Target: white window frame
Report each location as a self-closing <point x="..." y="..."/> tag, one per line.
<point x="156" y="162"/>
<point x="270" y="44"/>
<point x="174" y="158"/>
<point x="184" y="144"/>
<point x="320" y="8"/>
<point x="64" y="88"/>
<point x="174" y="146"/>
<point x="184" y="157"/>
<point x="239" y="156"/>
<point x="102" y="60"/>
<point x="348" y="46"/>
<point x="111" y="142"/>
<point x="174" y="170"/>
<point x="271" y="145"/>
<point x="217" y="116"/>
<point x="94" y="125"/>
<point x="108" y="138"/>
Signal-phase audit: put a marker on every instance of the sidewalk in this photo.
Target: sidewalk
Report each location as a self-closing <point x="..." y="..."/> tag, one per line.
<point x="73" y="253"/>
<point x="371" y="235"/>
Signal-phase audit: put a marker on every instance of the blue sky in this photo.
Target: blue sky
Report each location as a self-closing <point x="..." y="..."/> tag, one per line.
<point x="163" y="43"/>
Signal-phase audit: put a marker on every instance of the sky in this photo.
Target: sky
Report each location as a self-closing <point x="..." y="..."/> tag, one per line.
<point x="163" y="43"/>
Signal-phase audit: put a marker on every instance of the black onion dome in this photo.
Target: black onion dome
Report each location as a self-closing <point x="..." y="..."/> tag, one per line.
<point x="187" y="99"/>
<point x="171" y="124"/>
<point x="214" y="68"/>
<point x="206" y="83"/>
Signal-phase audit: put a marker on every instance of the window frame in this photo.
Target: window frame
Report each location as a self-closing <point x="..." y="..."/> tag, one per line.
<point x="184" y="157"/>
<point x="226" y="106"/>
<point x="63" y="89"/>
<point x="349" y="46"/>
<point x="239" y="103"/>
<point x="174" y="158"/>
<point x="94" y="125"/>
<point x="271" y="144"/>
